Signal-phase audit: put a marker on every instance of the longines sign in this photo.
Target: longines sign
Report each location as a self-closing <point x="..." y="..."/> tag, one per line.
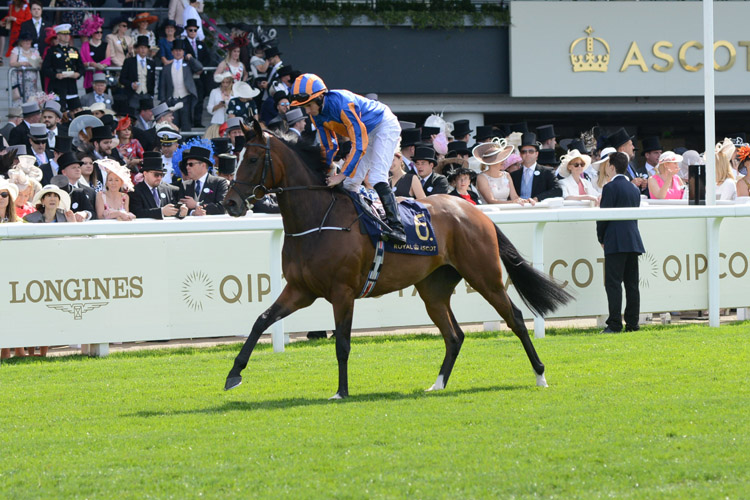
<point x="581" y="49"/>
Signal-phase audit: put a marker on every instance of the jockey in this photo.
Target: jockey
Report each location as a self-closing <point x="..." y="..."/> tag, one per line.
<point x="373" y="131"/>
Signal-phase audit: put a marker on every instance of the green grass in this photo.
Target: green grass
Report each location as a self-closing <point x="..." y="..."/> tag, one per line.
<point x="661" y="413"/>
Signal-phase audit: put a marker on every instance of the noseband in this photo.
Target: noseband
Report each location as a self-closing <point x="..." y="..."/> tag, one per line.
<point x="267" y="167"/>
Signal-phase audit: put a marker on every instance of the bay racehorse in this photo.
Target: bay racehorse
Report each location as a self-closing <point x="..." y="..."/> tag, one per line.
<point x="334" y="264"/>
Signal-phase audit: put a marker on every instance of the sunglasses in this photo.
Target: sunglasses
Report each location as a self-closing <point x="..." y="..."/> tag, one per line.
<point x="192" y="30"/>
<point x="4" y="194"/>
<point x="156" y="173"/>
<point x="100" y="31"/>
<point x="284" y="104"/>
<point x="528" y="151"/>
<point x="574" y="165"/>
<point x="39" y="141"/>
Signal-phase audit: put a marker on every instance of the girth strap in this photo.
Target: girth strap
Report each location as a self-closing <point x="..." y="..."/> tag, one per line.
<point x="372" y="276"/>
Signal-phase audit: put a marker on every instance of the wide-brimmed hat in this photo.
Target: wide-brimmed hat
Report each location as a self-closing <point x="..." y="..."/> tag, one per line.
<point x="141" y="41"/>
<point x="726" y="147"/>
<point x="12" y="189"/>
<point x="619" y="138"/>
<point x="493" y="152"/>
<point x="570" y="156"/>
<point x="100" y="106"/>
<point x="425" y="153"/>
<point x="220" y="77"/>
<point x="152" y="161"/>
<point x="461" y="128"/>
<point x="669" y="157"/>
<point x="27" y="164"/>
<point x="547" y="157"/>
<point x="196" y="153"/>
<point x="226" y="164"/>
<point x="51" y="188"/>
<point x="410" y="137"/>
<point x="545" y="132"/>
<point x="650" y="143"/>
<point x="143" y="16"/>
<point x="456" y="148"/>
<point x="244" y="90"/>
<point x="120" y="171"/>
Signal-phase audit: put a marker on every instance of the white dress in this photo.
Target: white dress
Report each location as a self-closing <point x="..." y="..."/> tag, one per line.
<point x="219" y="116"/>
<point x="500" y="187"/>
<point x="727" y="190"/>
<point x="570" y="187"/>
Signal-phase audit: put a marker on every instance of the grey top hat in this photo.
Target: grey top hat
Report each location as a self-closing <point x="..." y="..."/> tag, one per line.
<point x="234" y="123"/>
<point x="53" y="106"/>
<point x="30" y="108"/>
<point x="15" y="112"/>
<point x="100" y="77"/>
<point x="38" y="131"/>
<point x="295" y="115"/>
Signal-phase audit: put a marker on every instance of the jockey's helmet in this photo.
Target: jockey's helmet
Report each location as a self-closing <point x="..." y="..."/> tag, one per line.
<point x="306" y="88"/>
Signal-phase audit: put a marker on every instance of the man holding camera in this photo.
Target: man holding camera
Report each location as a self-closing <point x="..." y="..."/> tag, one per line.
<point x="152" y="199"/>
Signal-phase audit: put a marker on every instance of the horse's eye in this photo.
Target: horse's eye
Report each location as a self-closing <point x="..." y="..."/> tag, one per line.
<point x="253" y="160"/>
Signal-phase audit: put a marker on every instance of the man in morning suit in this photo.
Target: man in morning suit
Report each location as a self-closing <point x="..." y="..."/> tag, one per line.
<point x="36" y="26"/>
<point x="82" y="197"/>
<point x="202" y="192"/>
<point x="138" y="74"/>
<point x="203" y="79"/>
<point x="533" y="181"/>
<point x="20" y="134"/>
<point x="425" y="160"/>
<point x="622" y="245"/>
<point x="176" y="84"/>
<point x="152" y="199"/>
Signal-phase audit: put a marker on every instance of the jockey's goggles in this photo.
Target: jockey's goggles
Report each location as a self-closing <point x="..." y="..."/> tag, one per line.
<point x="304" y="98"/>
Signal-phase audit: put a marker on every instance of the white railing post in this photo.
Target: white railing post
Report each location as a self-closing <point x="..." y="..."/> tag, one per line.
<point x="277" y="330"/>
<point x="538" y="262"/>
<point x="712" y="251"/>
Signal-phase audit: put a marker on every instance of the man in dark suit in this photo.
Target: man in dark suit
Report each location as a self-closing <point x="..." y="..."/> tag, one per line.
<point x="533" y="181"/>
<point x="101" y="139"/>
<point x="20" y="133"/>
<point x="82" y="197"/>
<point x="203" y="81"/>
<point x="622" y="245"/>
<point x="36" y="26"/>
<point x="425" y="160"/>
<point x="202" y="192"/>
<point x="63" y="145"/>
<point x="152" y="199"/>
<point x="138" y="74"/>
<point x="623" y="143"/>
<point x="176" y="84"/>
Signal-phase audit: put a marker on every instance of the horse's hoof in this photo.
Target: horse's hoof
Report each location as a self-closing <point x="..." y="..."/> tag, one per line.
<point x="434" y="387"/>
<point x="232" y="382"/>
<point x="438" y="385"/>
<point x="336" y="396"/>
<point x="541" y="381"/>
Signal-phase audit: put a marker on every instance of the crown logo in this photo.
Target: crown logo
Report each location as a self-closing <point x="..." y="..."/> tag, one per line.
<point x="589" y="61"/>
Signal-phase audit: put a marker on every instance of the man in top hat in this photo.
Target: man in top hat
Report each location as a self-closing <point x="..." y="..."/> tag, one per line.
<point x="285" y="77"/>
<point x="234" y="128"/>
<point x="202" y="193"/>
<point x="101" y="139"/>
<point x="100" y="93"/>
<point x="40" y="144"/>
<point x="428" y="134"/>
<point x="63" y="144"/>
<point x="521" y="127"/>
<point x="457" y="149"/>
<point x="273" y="57"/>
<point x="425" y="160"/>
<point x="533" y="181"/>
<point x="623" y="143"/>
<point x="296" y="121"/>
<point x="51" y="117"/>
<point x="226" y="166"/>
<point x="176" y="84"/>
<point x="546" y="135"/>
<point x="651" y="152"/>
<point x="82" y="197"/>
<point x="461" y="131"/>
<point x="410" y="137"/>
<point x="169" y="141"/>
<point x="145" y="119"/>
<point x="15" y="117"/>
<point x="20" y="133"/>
<point x="153" y="198"/>
<point x="138" y="75"/>
<point x="36" y="27"/>
<point x="63" y="66"/>
<point x="278" y="122"/>
<point x="196" y="49"/>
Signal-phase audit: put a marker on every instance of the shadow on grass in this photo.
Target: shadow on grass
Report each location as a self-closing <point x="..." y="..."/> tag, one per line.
<point x="285" y="403"/>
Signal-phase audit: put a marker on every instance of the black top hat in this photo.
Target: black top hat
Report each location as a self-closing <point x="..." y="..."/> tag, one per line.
<point x="227" y="164"/>
<point x="239" y="143"/>
<point x="579" y="145"/>
<point x="221" y="145"/>
<point x="279" y="96"/>
<point x="425" y="153"/>
<point x="196" y="153"/>
<point x="272" y="51"/>
<point x="285" y="71"/>
<point x="522" y="127"/>
<point x="529" y="139"/>
<point x="63" y="144"/>
<point x="152" y="161"/>
<point x="145" y="103"/>
<point x="191" y="23"/>
<point x="619" y="138"/>
<point x="501" y="130"/>
<point x="73" y="103"/>
<point x="67" y="159"/>
<point x="547" y="157"/>
<point x="651" y="143"/>
<point x="428" y="132"/>
<point x="142" y="40"/>
<point x="456" y="148"/>
<point x="461" y="128"/>
<point x="410" y="137"/>
<point x="120" y="104"/>
<point x="178" y="44"/>
<point x="101" y="133"/>
<point x="484" y="132"/>
<point x="545" y="132"/>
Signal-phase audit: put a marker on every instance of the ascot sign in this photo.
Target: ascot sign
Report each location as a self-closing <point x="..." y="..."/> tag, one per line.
<point x="629" y="49"/>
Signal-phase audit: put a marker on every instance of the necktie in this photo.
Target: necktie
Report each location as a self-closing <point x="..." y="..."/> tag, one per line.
<point x="526" y="183"/>
<point x="156" y="196"/>
<point x="98" y="98"/>
<point x="195" y="50"/>
<point x="197" y="190"/>
<point x="143" y="63"/>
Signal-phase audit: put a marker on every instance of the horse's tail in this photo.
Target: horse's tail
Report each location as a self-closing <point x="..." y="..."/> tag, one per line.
<point x="538" y="291"/>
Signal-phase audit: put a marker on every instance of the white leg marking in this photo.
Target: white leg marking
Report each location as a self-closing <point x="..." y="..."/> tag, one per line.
<point x="540" y="380"/>
<point x="438" y="385"/>
<point x="335" y="396"/>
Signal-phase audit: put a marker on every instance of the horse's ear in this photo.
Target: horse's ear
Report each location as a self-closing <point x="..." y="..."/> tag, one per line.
<point x="257" y="129"/>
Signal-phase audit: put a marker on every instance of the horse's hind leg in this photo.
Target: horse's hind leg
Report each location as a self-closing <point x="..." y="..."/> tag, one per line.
<point x="435" y="290"/>
<point x="289" y="301"/>
<point x="343" y="312"/>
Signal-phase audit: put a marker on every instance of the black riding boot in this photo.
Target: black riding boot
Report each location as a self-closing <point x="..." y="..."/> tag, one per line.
<point x="391" y="213"/>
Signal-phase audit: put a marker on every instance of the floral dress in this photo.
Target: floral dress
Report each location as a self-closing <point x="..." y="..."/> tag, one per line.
<point x="27" y="82"/>
<point x="75" y="15"/>
<point x="131" y="150"/>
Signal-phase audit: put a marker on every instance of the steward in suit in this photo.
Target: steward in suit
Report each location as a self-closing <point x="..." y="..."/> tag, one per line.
<point x="432" y="183"/>
<point x="203" y="81"/>
<point x="82" y="197"/>
<point x="20" y="133"/>
<point x="534" y="181"/>
<point x="138" y="74"/>
<point x="622" y="245"/>
<point x="152" y="199"/>
<point x="63" y="66"/>
<point x="202" y="193"/>
<point x="176" y="84"/>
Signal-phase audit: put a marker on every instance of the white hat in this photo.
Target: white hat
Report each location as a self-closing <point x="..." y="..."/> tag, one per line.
<point x="120" y="171"/>
<point x="6" y="185"/>
<point x="604" y="156"/>
<point x="493" y="152"/>
<point x="244" y="90"/>
<point x="570" y="156"/>
<point x="669" y="157"/>
<point x="100" y="106"/>
<point x="51" y="188"/>
<point x="62" y="28"/>
<point x="220" y="77"/>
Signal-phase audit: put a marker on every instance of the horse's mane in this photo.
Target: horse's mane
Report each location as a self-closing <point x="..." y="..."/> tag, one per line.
<point x="311" y="156"/>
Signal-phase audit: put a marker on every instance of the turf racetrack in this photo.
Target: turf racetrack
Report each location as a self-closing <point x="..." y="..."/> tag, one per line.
<point x="661" y="413"/>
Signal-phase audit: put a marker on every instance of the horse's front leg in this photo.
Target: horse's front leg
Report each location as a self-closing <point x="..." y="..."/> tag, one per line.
<point x="289" y="301"/>
<point x="343" y="312"/>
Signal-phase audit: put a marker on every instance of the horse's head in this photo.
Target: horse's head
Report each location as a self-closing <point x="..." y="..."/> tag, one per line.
<point x="257" y="171"/>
